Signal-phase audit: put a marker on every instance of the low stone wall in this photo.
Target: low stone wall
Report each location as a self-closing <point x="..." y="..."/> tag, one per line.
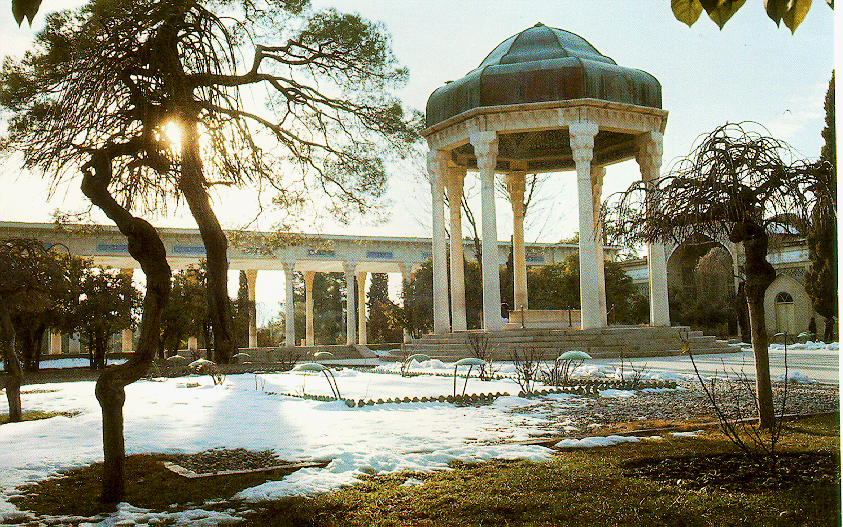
<point x="544" y="319"/>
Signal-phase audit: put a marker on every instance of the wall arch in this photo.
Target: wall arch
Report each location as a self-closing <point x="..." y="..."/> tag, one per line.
<point x="702" y="296"/>
<point x="787" y="307"/>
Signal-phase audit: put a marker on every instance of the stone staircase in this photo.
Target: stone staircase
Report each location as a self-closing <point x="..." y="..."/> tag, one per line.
<point x="613" y="341"/>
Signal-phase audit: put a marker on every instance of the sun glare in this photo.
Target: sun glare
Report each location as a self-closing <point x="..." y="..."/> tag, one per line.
<point x="172" y="133"/>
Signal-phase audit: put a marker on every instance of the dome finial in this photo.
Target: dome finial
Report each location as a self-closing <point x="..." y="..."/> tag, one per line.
<point x="539" y="24"/>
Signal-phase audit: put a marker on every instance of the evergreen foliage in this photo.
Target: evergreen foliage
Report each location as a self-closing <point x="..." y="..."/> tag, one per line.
<point x="821" y="278"/>
<point x="384" y="324"/>
<point x="186" y="312"/>
<point x="105" y="305"/>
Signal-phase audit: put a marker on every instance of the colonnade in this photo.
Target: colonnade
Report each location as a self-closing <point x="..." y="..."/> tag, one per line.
<point x="356" y="330"/>
<point x="448" y="176"/>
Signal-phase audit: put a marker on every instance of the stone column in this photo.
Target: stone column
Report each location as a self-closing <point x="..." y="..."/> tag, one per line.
<point x="437" y="166"/>
<point x="55" y="343"/>
<point x="650" y="161"/>
<point x="74" y="345"/>
<point x="597" y="175"/>
<point x="251" y="281"/>
<point x="486" y="150"/>
<point x="582" y="147"/>
<point x="350" y="325"/>
<point x="362" y="336"/>
<point x="126" y="334"/>
<point x="192" y="348"/>
<point x="515" y="184"/>
<point x="289" y="305"/>
<point x="406" y="276"/>
<point x="308" y="307"/>
<point x="456" y="178"/>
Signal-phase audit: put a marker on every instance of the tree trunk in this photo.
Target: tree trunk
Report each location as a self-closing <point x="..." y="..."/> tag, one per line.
<point x="828" y="336"/>
<point x="759" y="275"/>
<point x="146" y="247"/>
<point x="99" y="348"/>
<point x="742" y="313"/>
<point x="192" y="185"/>
<point x="14" y="374"/>
<point x="763" y="385"/>
<point x="29" y="339"/>
<point x="38" y="341"/>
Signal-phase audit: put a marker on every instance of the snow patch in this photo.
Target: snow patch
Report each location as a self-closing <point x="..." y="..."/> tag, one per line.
<point x="597" y="441"/>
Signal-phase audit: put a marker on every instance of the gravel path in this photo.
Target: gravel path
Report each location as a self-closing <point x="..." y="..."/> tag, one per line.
<point x="577" y="417"/>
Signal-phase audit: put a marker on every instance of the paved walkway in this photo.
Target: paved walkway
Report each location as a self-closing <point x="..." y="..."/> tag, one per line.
<point x="822" y="365"/>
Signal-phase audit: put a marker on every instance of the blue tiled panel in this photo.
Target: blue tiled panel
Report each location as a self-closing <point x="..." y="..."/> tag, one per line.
<point x="113" y="247"/>
<point x="321" y="252"/>
<point x="188" y="249"/>
<point x="379" y="255"/>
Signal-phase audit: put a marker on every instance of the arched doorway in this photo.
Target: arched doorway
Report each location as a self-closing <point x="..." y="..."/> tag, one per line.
<point x="785" y="314"/>
<point x="701" y="286"/>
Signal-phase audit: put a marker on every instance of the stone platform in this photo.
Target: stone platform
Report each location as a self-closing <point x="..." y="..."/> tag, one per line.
<point x="613" y="341"/>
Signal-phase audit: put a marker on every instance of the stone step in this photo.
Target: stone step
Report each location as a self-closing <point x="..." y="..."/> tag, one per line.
<point x="606" y="342"/>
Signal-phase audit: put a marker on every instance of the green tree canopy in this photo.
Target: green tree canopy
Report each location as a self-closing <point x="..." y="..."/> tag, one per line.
<point x="821" y="278"/>
<point x="384" y="323"/>
<point x="30" y="279"/>
<point x="557" y="286"/>
<point x="186" y="312"/>
<point x="328" y="300"/>
<point x="105" y="305"/>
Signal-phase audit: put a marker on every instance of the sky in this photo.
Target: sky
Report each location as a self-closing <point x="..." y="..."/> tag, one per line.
<point x="191" y="414"/>
<point x="750" y="70"/>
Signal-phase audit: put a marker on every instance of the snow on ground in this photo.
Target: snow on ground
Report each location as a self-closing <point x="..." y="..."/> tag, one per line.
<point x="72" y="363"/>
<point x="191" y="414"/>
<point x="591" y="442"/>
<point x="809" y="345"/>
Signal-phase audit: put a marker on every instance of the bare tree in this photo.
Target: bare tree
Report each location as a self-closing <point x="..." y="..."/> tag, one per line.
<point x="739" y="184"/>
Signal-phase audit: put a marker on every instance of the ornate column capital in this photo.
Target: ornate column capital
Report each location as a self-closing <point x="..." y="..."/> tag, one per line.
<point x="516" y="185"/>
<point x="582" y="140"/>
<point x="485" y="149"/>
<point x="350" y="267"/>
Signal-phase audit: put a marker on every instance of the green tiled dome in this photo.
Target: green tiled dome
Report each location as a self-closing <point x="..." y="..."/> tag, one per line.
<point x="543" y="64"/>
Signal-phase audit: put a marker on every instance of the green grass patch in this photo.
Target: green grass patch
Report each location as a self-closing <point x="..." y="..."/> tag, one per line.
<point x="575" y="488"/>
<point x="587" y="487"/>
<point x="148" y="485"/>
<point x="35" y="415"/>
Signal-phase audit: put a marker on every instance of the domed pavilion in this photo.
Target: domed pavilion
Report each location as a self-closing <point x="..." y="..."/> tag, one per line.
<point x="544" y="100"/>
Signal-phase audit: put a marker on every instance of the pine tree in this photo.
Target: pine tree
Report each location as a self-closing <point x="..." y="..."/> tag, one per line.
<point x="821" y="278"/>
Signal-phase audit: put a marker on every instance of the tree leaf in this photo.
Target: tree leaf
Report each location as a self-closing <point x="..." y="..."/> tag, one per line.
<point x="776" y="9"/>
<point x="687" y="11"/>
<point x="796" y="14"/>
<point x="25" y="8"/>
<point x="720" y="11"/>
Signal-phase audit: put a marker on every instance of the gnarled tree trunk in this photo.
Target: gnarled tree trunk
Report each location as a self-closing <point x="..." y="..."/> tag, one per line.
<point x="13" y="376"/>
<point x="193" y="188"/>
<point x="759" y="275"/>
<point x="146" y="247"/>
